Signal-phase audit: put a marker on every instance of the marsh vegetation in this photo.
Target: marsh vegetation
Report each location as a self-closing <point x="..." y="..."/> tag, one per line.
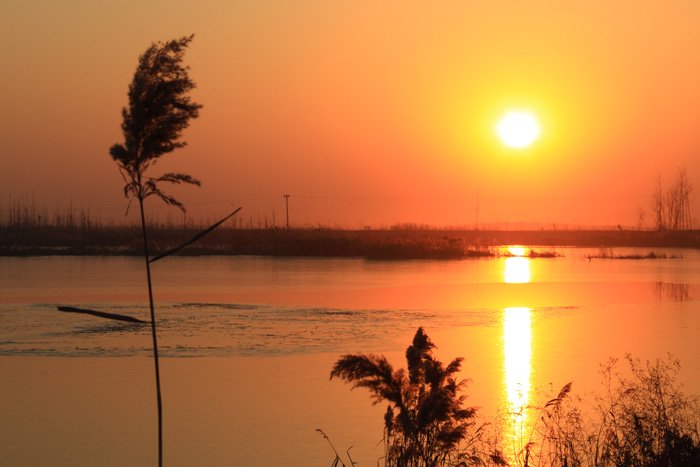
<point x="29" y="231"/>
<point x="609" y="253"/>
<point x="640" y="417"/>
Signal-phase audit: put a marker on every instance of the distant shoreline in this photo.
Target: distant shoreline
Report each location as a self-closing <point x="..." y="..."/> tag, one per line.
<point x="324" y="242"/>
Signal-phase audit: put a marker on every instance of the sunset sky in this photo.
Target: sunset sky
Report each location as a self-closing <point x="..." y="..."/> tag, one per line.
<point x="365" y="112"/>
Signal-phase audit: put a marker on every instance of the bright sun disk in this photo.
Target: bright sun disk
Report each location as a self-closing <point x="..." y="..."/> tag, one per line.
<point x="518" y="129"/>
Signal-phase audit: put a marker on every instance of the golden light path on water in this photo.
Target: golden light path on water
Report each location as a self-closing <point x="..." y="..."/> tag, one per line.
<point x="517" y="340"/>
<point x="517" y="350"/>
<point x="517" y="270"/>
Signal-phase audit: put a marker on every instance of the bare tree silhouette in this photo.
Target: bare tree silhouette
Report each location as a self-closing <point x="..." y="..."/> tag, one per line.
<point x="671" y="208"/>
<point x="658" y="204"/>
<point x="159" y="110"/>
<point x="679" y="201"/>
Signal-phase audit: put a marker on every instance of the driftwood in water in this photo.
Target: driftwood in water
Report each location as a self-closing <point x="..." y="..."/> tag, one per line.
<point x="101" y="314"/>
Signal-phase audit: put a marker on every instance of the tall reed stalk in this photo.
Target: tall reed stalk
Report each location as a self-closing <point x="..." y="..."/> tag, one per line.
<point x="159" y="110"/>
<point x="154" y="334"/>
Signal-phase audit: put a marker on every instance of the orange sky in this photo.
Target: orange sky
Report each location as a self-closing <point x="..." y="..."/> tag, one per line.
<point x="366" y="113"/>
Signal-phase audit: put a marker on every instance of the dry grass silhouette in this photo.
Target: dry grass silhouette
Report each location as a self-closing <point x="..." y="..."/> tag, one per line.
<point x="641" y="418"/>
<point x="609" y="253"/>
<point x="426" y="423"/>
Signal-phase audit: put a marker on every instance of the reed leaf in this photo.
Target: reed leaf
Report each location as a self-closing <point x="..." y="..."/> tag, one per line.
<point x="194" y="238"/>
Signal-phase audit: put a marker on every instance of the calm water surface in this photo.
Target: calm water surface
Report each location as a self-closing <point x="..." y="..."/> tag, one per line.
<point x="521" y="324"/>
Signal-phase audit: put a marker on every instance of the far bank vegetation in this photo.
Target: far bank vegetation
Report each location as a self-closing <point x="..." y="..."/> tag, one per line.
<point x="76" y="232"/>
<point x="30" y="228"/>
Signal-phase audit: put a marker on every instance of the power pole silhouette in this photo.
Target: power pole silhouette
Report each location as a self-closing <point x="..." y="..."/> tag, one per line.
<point x="476" y="225"/>
<point x="286" y="201"/>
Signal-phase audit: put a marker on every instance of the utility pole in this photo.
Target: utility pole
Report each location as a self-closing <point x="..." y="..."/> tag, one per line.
<point x="476" y="225"/>
<point x="286" y="201"/>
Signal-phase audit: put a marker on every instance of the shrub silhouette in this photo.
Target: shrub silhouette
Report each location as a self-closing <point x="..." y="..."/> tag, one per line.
<point x="425" y="424"/>
<point x="647" y="420"/>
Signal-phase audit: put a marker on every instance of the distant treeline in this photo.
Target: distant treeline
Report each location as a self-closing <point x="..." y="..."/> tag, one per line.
<point x="81" y="236"/>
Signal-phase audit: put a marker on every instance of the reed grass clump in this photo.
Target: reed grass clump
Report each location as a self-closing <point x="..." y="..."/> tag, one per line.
<point x="426" y="423"/>
<point x="609" y="253"/>
<point x="639" y="418"/>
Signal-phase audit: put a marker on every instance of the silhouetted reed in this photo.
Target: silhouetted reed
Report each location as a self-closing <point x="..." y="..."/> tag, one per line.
<point x="641" y="418"/>
<point x="425" y="422"/>
<point x="159" y="110"/>
<point x="338" y="461"/>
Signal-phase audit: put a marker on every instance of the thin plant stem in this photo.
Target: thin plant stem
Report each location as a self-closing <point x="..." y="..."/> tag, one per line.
<point x="153" y="332"/>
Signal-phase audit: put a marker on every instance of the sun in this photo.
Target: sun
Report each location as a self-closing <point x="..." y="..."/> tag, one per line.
<point x="518" y="129"/>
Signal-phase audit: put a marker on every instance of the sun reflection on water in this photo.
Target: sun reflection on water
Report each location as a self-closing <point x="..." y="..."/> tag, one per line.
<point x="517" y="270"/>
<point x="517" y="349"/>
<point x="517" y="250"/>
<point x="517" y="353"/>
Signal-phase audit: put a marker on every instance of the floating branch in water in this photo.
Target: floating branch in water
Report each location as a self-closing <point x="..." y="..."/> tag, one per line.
<point x="193" y="239"/>
<point x="101" y="314"/>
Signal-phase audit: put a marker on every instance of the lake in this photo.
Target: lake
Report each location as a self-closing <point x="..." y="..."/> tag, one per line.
<point x="249" y="343"/>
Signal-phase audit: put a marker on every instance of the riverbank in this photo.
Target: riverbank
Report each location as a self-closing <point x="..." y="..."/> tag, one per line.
<point x="323" y="242"/>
